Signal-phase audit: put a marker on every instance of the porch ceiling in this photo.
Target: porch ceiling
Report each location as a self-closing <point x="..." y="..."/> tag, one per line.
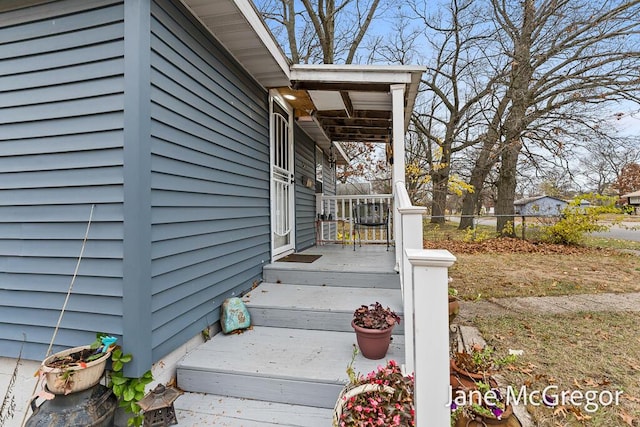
<point x="351" y="102"/>
<point x="332" y="103"/>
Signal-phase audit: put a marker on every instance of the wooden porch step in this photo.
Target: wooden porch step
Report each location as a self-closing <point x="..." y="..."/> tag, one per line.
<point x="293" y="366"/>
<point x="197" y="409"/>
<point x="310" y="275"/>
<point x="327" y="308"/>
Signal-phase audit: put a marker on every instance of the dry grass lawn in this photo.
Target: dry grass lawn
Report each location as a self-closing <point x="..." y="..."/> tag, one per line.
<point x="583" y="351"/>
<point x="499" y="268"/>
<point x="597" y="351"/>
<point x="534" y="274"/>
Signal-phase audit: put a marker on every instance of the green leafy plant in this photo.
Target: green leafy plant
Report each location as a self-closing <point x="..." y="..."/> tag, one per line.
<point x="481" y="360"/>
<point x="129" y="391"/>
<point x="375" y="316"/>
<point x="578" y="220"/>
<point x="475" y="235"/>
<point x="508" y="229"/>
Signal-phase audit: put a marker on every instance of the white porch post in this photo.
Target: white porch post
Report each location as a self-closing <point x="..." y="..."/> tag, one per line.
<point x="431" y="335"/>
<point x="411" y="218"/>
<point x="398" y="173"/>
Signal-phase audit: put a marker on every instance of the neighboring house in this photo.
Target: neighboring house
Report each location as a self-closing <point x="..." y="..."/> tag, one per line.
<point x="633" y="199"/>
<point x="183" y="129"/>
<point x="539" y="205"/>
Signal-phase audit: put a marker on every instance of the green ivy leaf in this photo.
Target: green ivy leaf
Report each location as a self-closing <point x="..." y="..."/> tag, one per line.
<point x="116" y="355"/>
<point x="117" y="390"/>
<point x="126" y="358"/>
<point x="117" y="365"/>
<point x="128" y="394"/>
<point x="117" y="381"/>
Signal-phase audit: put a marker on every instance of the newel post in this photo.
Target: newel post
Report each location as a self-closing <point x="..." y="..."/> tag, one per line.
<point x="430" y="276"/>
<point x="411" y="218"/>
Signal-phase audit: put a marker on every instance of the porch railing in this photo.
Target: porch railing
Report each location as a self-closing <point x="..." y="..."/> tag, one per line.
<point x="424" y="280"/>
<point x="337" y="213"/>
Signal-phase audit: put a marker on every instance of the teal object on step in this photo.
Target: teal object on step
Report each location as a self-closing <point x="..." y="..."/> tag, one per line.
<point x="234" y="315"/>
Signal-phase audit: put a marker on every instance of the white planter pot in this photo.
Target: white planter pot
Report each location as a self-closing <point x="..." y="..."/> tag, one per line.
<point x="74" y="378"/>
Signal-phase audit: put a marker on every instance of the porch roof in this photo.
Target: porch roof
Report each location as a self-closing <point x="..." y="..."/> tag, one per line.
<point x="332" y="103"/>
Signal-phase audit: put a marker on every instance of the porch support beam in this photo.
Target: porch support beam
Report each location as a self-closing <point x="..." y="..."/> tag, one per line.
<point x="398" y="173"/>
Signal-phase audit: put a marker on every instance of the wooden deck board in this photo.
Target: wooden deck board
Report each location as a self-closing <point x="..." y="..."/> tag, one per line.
<point x="321" y="298"/>
<point x="317" y="356"/>
<point x="315" y="307"/>
<point x="301" y="342"/>
<point x="196" y="409"/>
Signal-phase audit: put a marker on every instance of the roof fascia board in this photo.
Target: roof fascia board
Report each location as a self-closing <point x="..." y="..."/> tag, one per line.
<point x="355" y="73"/>
<point x="257" y="24"/>
<point x="248" y="9"/>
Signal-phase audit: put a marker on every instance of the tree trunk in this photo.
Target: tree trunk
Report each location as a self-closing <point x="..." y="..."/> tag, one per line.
<point x="479" y="174"/>
<point x="440" y="179"/>
<point x="507" y="190"/>
<point x="515" y="124"/>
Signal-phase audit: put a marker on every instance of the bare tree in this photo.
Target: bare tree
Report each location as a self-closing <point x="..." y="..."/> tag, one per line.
<point x="458" y="86"/>
<point x="604" y="160"/>
<point x="323" y="30"/>
<point x="568" y="59"/>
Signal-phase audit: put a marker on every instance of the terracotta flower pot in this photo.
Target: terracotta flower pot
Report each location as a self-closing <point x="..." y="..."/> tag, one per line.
<point x="373" y="343"/>
<point x="465" y="380"/>
<point x="454" y="308"/>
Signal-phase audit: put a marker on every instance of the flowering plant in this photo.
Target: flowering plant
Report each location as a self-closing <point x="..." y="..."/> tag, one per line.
<point x="486" y="402"/>
<point x="381" y="398"/>
<point x="375" y="316"/>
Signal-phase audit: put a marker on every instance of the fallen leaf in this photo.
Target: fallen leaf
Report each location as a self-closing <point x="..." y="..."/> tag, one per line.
<point x="560" y="410"/>
<point x="628" y="419"/>
<point x="590" y="383"/>
<point x="605" y="382"/>
<point x="578" y="414"/>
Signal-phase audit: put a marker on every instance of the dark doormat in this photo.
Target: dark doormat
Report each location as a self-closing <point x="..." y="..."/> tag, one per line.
<point x="299" y="258"/>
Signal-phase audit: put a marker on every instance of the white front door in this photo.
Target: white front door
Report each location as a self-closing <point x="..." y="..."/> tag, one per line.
<point x="282" y="181"/>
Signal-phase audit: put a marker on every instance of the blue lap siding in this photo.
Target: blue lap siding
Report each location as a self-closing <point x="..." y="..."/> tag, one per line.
<point x="61" y="151"/>
<point x="210" y="178"/>
<point x="172" y="149"/>
<point x="305" y="195"/>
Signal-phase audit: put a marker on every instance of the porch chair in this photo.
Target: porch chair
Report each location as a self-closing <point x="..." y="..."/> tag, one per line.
<point x="370" y="215"/>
